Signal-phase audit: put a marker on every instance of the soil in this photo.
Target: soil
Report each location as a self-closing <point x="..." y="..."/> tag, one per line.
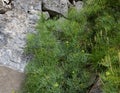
<point x="10" y="80"/>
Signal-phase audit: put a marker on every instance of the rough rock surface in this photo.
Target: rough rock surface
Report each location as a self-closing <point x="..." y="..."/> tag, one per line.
<point x="14" y="25"/>
<point x="57" y="6"/>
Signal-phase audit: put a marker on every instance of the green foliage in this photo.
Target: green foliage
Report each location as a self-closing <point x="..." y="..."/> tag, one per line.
<point x="67" y="52"/>
<point x="57" y="61"/>
<point x="43" y="74"/>
<point x="111" y="82"/>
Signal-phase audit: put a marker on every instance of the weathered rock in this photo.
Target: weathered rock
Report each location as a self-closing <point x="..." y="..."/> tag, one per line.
<point x="79" y="5"/>
<point x="14" y="26"/>
<point x="3" y="39"/>
<point x="56" y="6"/>
<point x="5" y="6"/>
<point x="96" y="88"/>
<point x="95" y="84"/>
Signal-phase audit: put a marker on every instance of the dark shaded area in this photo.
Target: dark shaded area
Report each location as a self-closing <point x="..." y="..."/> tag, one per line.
<point x="72" y="1"/>
<point x="2" y="11"/>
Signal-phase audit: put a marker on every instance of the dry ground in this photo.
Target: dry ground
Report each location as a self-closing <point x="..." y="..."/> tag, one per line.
<point x="10" y="80"/>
